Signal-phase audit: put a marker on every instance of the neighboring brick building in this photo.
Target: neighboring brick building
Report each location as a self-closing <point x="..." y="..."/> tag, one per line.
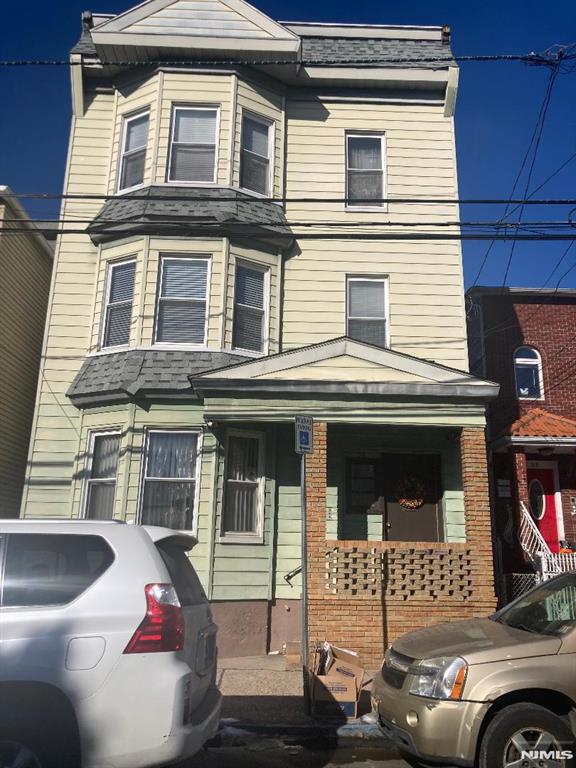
<point x="524" y="339"/>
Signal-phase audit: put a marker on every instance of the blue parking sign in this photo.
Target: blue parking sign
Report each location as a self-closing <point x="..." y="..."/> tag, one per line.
<point x="304" y="434"/>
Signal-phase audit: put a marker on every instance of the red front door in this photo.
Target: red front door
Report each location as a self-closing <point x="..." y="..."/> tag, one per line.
<point x="541" y="490"/>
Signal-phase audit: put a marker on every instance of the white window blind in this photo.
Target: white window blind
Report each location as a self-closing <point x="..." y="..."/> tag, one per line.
<point x="182" y="303"/>
<point x="118" y="314"/>
<point x="170" y="479"/>
<point x="364" y="170"/>
<point x="249" y="312"/>
<point x="134" y="151"/>
<point x="242" y="501"/>
<point x="101" y="481"/>
<point x="367" y="311"/>
<point x="255" y="157"/>
<point x="193" y="145"/>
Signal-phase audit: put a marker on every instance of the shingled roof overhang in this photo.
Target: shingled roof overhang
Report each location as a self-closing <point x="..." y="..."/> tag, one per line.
<point x="539" y="428"/>
<point x="192" y="212"/>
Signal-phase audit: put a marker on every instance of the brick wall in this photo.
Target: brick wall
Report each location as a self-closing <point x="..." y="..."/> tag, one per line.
<point x="369" y="623"/>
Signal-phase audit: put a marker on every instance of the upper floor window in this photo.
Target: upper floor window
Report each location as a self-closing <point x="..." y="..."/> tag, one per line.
<point x="243" y="511"/>
<point x="193" y="152"/>
<point x="364" y="169"/>
<point x="249" y="308"/>
<point x="170" y="469"/>
<point x="367" y="310"/>
<point x="119" y="298"/>
<point x="101" y="480"/>
<point x="255" y="157"/>
<point x="183" y="300"/>
<point x="134" y="140"/>
<point x="528" y="374"/>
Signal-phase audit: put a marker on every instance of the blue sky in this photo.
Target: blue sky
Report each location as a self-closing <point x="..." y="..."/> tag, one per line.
<point x="496" y="111"/>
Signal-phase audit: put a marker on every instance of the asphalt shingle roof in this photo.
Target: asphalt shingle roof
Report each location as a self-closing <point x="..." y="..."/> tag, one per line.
<point x="339" y="50"/>
<point x="124" y="375"/>
<point x="154" y="210"/>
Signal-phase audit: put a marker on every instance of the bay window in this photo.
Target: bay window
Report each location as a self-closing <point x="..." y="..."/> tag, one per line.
<point x="119" y="299"/>
<point x="249" y="308"/>
<point x="193" y="144"/>
<point x="182" y="311"/>
<point x="255" y="155"/>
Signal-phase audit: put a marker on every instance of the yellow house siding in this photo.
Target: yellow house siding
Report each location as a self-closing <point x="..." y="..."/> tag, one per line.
<point x="26" y="268"/>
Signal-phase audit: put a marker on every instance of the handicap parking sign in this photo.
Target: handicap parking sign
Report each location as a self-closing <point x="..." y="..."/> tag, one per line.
<point x="304" y="434"/>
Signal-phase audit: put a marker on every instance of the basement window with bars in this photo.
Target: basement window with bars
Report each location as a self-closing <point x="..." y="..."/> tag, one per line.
<point x="170" y="479"/>
<point x="193" y="150"/>
<point x="183" y="300"/>
<point x="242" y="518"/>
<point x="365" y="183"/>
<point x="119" y="299"/>
<point x="103" y="454"/>
<point x="367" y="310"/>
<point x="255" y="156"/>
<point x="134" y="140"/>
<point x="249" y="308"/>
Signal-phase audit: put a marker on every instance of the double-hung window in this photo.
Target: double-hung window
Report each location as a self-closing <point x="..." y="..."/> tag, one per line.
<point x="182" y="300"/>
<point x="528" y="374"/>
<point x="255" y="156"/>
<point x="169" y="486"/>
<point x="244" y="489"/>
<point x="101" y="477"/>
<point x="249" y="308"/>
<point x="133" y="159"/>
<point x="119" y="299"/>
<point x="367" y="310"/>
<point x="365" y="184"/>
<point x="193" y="142"/>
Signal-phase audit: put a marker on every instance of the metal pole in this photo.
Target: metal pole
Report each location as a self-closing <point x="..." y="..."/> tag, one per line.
<point x="304" y="578"/>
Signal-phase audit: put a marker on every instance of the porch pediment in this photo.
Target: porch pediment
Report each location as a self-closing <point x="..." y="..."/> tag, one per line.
<point x="345" y="365"/>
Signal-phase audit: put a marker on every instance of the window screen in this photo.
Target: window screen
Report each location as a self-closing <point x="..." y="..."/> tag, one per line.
<point x="52" y="569"/>
<point x="101" y="483"/>
<point x="193" y="146"/>
<point x="249" y="309"/>
<point x="255" y="158"/>
<point x="242" y="513"/>
<point x="170" y="479"/>
<point x="364" y="170"/>
<point x="118" y="315"/>
<point x="134" y="151"/>
<point x="367" y="311"/>
<point x="182" y="303"/>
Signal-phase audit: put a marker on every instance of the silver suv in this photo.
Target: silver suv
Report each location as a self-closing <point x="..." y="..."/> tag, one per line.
<point x="107" y="646"/>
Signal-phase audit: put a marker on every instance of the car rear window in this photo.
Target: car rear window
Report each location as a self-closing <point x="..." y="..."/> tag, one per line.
<point x="52" y="569"/>
<point x="184" y="577"/>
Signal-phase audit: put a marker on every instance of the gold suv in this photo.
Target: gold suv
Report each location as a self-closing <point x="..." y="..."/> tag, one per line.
<point x="498" y="692"/>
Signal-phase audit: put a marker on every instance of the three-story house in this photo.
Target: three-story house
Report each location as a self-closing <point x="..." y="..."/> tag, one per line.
<point x="240" y="245"/>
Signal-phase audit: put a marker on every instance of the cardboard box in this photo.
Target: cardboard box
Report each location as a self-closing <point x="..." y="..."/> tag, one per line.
<point x="336" y="682"/>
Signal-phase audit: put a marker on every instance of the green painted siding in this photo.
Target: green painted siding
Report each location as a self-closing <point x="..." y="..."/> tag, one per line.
<point x="288" y="546"/>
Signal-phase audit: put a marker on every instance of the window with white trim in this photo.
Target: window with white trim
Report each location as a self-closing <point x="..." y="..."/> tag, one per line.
<point x="103" y="454"/>
<point x="243" y="511"/>
<point x="119" y="300"/>
<point x="365" y="158"/>
<point x="193" y="144"/>
<point x="367" y="310"/>
<point x="249" y="308"/>
<point x="133" y="158"/>
<point x="255" y="165"/>
<point x="182" y="312"/>
<point x="170" y="479"/>
<point x="528" y="374"/>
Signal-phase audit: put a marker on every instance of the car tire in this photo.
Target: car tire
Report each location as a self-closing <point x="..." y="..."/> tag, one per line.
<point x="42" y="744"/>
<point x="523" y="723"/>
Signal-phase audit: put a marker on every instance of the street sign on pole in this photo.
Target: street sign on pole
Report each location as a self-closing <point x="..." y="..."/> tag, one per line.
<point x="304" y="434"/>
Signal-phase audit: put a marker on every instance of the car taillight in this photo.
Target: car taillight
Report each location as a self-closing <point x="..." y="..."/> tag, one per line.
<point x="162" y="629"/>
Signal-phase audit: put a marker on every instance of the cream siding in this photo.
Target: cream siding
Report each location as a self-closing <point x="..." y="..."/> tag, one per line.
<point x="345" y="368"/>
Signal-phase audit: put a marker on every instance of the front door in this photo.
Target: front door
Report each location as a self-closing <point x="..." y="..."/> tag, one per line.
<point x="413" y="495"/>
<point x="541" y="495"/>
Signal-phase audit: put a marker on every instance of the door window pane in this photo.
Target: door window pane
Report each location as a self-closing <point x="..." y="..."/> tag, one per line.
<point x="242" y="504"/>
<point x="101" y="483"/>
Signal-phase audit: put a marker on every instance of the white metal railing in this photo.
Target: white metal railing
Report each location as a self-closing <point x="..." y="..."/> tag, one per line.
<point x="546" y="563"/>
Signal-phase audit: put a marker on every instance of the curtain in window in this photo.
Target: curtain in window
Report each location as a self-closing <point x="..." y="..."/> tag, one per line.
<point x="102" y="482"/>
<point x="242" y="485"/>
<point x="365" y="169"/>
<point x="182" y="305"/>
<point x="119" y="311"/>
<point x="255" y="161"/>
<point x="134" y="152"/>
<point x="194" y="145"/>
<point x="249" y="309"/>
<point x="367" y="311"/>
<point x="169" y="483"/>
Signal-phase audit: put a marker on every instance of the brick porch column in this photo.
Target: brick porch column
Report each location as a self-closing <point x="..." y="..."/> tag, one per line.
<point x="477" y="515"/>
<point x="519" y="469"/>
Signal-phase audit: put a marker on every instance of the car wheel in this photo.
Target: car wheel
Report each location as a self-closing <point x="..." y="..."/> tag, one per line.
<point x="14" y="754"/>
<point x="525" y="728"/>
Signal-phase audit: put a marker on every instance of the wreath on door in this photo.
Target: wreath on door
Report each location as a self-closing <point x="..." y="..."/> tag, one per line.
<point x="410" y="492"/>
